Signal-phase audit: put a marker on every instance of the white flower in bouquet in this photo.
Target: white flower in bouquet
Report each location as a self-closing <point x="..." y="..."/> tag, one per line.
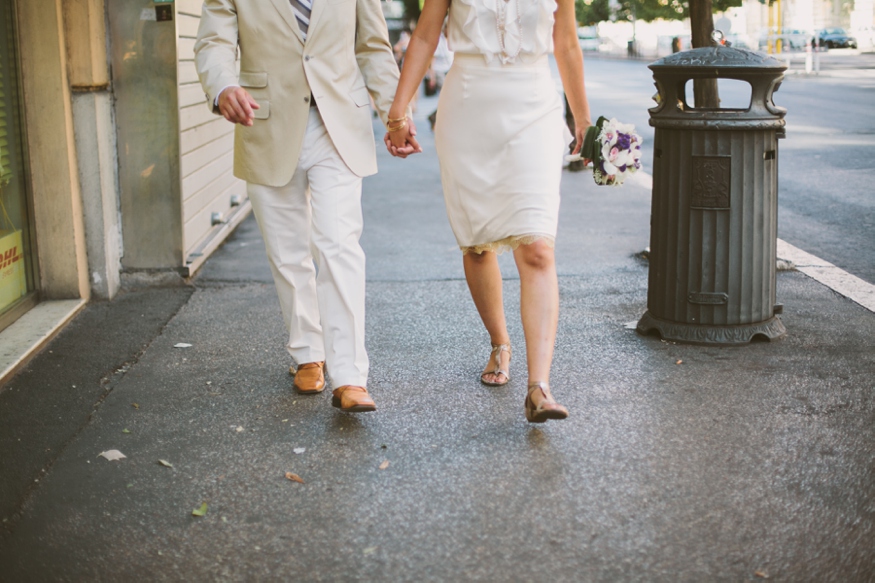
<point x="620" y="153"/>
<point x="615" y="151"/>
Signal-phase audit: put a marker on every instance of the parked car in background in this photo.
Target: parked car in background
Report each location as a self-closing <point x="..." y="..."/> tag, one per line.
<point x="836" y="38"/>
<point x="738" y="41"/>
<point x="588" y="38"/>
<point x="792" y="39"/>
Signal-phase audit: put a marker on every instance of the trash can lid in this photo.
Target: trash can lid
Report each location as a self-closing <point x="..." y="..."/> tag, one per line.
<point x="719" y="57"/>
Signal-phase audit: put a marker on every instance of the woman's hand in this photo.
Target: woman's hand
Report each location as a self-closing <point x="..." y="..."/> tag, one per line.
<point x="402" y="142"/>
<point x="569" y="60"/>
<point x="579" y="135"/>
<point x="420" y="51"/>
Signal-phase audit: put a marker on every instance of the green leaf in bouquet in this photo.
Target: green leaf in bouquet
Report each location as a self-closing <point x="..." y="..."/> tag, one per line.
<point x="591" y="146"/>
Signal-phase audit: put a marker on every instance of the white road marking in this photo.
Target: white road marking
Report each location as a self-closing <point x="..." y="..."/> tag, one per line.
<point x="820" y="270"/>
<point x="835" y="278"/>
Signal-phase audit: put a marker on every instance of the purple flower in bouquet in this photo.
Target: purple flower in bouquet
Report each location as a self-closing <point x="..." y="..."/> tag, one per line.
<point x="615" y="151"/>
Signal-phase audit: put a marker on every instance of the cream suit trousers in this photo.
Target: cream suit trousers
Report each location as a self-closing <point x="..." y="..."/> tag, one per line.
<point x="311" y="229"/>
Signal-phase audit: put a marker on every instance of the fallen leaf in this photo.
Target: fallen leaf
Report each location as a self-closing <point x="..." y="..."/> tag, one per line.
<point x="299" y="449"/>
<point x="761" y="574"/>
<point x="384" y="465"/>
<point x="112" y="455"/>
<point x="370" y="550"/>
<point x="284" y="420"/>
<point x="200" y="511"/>
<point x="182" y="345"/>
<point x="679" y="362"/>
<point x="135" y="405"/>
<point x="126" y="430"/>
<point x="294" y="477"/>
<point x="165" y="463"/>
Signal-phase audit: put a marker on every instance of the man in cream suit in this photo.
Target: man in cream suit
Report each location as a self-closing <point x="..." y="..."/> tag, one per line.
<point x="303" y="142"/>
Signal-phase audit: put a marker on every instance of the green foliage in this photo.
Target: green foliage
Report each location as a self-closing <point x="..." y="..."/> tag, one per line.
<point x="412" y="9"/>
<point x="593" y="11"/>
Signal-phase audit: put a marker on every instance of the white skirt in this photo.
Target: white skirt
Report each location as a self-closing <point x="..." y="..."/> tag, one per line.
<point x="499" y="138"/>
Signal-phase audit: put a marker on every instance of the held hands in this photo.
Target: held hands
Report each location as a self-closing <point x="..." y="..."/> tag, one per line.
<point x="237" y="106"/>
<point x="400" y="140"/>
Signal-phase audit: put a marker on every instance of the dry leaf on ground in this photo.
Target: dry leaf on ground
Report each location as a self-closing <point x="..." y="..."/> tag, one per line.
<point x="294" y="477"/>
<point x="679" y="362"/>
<point x="112" y="455"/>
<point x="200" y="511"/>
<point x="165" y="463"/>
<point x="384" y="465"/>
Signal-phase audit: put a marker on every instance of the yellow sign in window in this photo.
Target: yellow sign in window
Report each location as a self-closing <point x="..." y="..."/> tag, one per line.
<point x="13" y="279"/>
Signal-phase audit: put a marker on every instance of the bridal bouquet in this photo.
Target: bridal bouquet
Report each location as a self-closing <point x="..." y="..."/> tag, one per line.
<point x="615" y="151"/>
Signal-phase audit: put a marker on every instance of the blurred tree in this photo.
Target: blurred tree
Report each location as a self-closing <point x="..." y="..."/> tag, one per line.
<point x="701" y="27"/>
<point x="648" y="10"/>
<point x="700" y="13"/>
<point x="591" y="12"/>
<point x="412" y="10"/>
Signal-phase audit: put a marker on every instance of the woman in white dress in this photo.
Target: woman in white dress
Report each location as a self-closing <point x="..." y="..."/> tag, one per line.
<point x="499" y="138"/>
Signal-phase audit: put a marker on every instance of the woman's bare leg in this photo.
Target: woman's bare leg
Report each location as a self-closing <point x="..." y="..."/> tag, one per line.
<point x="539" y="306"/>
<point x="484" y="282"/>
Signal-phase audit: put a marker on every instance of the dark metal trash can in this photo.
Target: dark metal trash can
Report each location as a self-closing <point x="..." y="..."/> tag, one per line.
<point x="715" y="200"/>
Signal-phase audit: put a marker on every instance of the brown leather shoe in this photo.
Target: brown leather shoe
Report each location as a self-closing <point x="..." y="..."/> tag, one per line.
<point x="309" y="378"/>
<point x="352" y="399"/>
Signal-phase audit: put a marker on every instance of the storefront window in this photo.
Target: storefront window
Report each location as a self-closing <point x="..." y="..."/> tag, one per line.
<point x="16" y="273"/>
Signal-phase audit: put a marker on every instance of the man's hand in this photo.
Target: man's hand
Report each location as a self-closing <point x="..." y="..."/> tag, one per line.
<point x="402" y="143"/>
<point x="237" y="106"/>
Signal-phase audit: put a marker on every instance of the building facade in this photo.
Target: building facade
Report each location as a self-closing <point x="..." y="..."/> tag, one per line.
<point x="112" y="167"/>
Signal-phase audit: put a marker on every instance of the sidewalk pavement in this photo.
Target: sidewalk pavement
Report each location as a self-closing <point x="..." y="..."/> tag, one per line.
<point x="678" y="463"/>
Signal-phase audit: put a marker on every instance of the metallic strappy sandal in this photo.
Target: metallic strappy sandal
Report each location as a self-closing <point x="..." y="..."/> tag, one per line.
<point x="497" y="349"/>
<point x="548" y="408"/>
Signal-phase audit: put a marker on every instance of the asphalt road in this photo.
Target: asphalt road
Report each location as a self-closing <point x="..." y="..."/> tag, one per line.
<point x="826" y="170"/>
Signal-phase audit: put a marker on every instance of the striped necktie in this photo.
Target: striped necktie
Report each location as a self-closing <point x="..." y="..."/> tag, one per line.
<point x="301" y="8"/>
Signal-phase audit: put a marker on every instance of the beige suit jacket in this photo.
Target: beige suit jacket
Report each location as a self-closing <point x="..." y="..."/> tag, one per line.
<point x="346" y="56"/>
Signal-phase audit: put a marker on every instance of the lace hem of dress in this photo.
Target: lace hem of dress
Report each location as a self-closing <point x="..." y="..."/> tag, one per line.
<point x="508" y="244"/>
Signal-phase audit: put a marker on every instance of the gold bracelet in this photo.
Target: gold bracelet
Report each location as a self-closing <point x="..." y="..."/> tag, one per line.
<point x="400" y="119"/>
<point x="396" y="128"/>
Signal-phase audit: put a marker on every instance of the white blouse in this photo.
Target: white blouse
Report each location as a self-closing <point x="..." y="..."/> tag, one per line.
<point x="473" y="28"/>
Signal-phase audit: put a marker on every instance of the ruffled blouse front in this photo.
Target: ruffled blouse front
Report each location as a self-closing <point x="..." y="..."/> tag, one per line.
<point x="474" y="24"/>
